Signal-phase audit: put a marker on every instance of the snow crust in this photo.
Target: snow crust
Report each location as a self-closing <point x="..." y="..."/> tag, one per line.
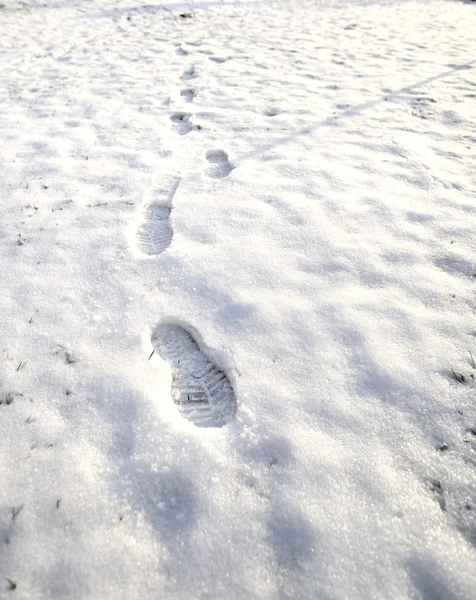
<point x="323" y="252"/>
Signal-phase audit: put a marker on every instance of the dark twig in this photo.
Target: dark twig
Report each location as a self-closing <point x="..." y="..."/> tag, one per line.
<point x="16" y="510"/>
<point x="460" y="378"/>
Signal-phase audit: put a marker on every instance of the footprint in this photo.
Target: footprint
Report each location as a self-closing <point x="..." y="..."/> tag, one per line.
<point x="188" y="94"/>
<point x="200" y="390"/>
<point x="182" y="120"/>
<point x="155" y="232"/>
<point x="189" y="73"/>
<point x="218" y="59"/>
<point x="219" y="165"/>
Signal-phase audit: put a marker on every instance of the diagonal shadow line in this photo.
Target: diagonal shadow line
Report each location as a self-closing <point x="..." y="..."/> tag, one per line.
<point x="355" y="110"/>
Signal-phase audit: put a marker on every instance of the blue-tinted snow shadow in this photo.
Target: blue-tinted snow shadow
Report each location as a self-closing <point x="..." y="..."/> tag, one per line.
<point x="229" y="314"/>
<point x="356" y="110"/>
<point x="429" y="578"/>
<point x="293" y="541"/>
<point x="269" y="451"/>
<point x="455" y="265"/>
<point x="165" y="497"/>
<point x="291" y="536"/>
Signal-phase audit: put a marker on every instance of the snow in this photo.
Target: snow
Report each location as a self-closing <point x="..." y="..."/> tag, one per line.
<point x="311" y="167"/>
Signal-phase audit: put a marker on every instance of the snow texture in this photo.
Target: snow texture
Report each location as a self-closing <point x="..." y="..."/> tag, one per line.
<point x="288" y="188"/>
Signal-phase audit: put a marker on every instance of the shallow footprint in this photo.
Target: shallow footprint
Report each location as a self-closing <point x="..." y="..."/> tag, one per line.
<point x="189" y="73"/>
<point x="219" y="165"/>
<point x="200" y="390"/>
<point x="155" y="232"/>
<point x="181" y="51"/>
<point x="218" y="59"/>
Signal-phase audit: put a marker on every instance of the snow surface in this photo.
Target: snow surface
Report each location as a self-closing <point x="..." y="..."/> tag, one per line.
<point x="322" y="254"/>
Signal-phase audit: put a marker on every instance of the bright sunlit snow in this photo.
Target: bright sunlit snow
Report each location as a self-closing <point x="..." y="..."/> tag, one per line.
<point x="237" y="245"/>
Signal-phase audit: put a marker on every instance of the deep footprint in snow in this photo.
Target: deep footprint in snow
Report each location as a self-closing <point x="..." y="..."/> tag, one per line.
<point x="189" y="73"/>
<point x="188" y="94"/>
<point x="200" y="390"/>
<point x="155" y="232"/>
<point x="219" y="165"/>
<point x="182" y="120"/>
